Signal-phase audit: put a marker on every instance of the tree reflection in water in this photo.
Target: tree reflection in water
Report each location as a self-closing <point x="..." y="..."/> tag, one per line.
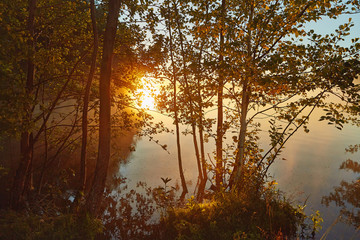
<point x="135" y="213"/>
<point x="347" y="194"/>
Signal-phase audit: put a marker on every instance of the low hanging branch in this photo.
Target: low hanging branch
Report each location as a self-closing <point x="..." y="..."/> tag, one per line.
<point x="292" y="133"/>
<point x="59" y="95"/>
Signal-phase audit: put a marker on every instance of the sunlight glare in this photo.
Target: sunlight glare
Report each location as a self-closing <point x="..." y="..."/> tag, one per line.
<point x="147" y="94"/>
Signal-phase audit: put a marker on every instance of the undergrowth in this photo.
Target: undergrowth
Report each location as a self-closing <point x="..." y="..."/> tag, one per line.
<point x="231" y="215"/>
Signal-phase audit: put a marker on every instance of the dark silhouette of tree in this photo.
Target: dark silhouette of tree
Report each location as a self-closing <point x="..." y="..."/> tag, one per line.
<point x="22" y="178"/>
<point x="98" y="185"/>
<point x="86" y="99"/>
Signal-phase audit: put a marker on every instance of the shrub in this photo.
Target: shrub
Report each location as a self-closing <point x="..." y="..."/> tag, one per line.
<point x="230" y="215"/>
<point x="18" y="226"/>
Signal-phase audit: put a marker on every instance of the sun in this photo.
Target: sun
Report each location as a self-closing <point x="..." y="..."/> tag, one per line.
<point x="146" y="101"/>
<point x="146" y="95"/>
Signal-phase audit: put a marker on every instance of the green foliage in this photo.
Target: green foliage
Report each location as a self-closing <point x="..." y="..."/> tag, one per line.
<point x="165" y="197"/>
<point x="235" y="216"/>
<point x="17" y="226"/>
<point x="48" y="215"/>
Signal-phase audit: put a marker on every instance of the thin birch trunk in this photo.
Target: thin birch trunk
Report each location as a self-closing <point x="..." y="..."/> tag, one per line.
<point x="240" y="158"/>
<point x="220" y="117"/>
<point x="178" y="145"/>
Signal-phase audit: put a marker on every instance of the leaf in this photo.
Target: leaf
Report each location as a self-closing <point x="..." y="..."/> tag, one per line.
<point x="166" y="180"/>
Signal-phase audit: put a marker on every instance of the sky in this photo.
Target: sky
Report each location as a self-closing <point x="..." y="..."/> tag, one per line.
<point x="328" y="26"/>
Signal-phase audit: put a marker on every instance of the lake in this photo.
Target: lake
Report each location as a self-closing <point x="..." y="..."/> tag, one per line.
<point x="310" y="171"/>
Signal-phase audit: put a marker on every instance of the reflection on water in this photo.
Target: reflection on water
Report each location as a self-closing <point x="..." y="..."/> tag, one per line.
<point x="310" y="171"/>
<point x="346" y="196"/>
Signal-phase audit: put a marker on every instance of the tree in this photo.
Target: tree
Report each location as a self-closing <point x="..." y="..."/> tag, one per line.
<point x="42" y="105"/>
<point x="26" y="145"/>
<point x="86" y="99"/>
<point x="254" y="52"/>
<point x="220" y="97"/>
<point x="97" y="189"/>
<point x="176" y="117"/>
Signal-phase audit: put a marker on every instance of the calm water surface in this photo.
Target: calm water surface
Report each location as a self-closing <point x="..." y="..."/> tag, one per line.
<point x="310" y="171"/>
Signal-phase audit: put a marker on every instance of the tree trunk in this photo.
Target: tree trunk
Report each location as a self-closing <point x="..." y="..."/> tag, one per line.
<point x="86" y="100"/>
<point x="97" y="189"/>
<point x="182" y="177"/>
<point x="220" y="120"/>
<point x="189" y="95"/>
<point x="178" y="144"/>
<point x="239" y="159"/>
<point x="203" y="181"/>
<point x="202" y="185"/>
<point x="22" y="172"/>
<point x="203" y="163"/>
<point x="45" y="158"/>
<point x="245" y="99"/>
<point x="187" y="92"/>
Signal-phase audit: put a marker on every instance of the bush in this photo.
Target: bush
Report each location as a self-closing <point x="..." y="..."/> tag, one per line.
<point x="230" y="215"/>
<point x="18" y="226"/>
